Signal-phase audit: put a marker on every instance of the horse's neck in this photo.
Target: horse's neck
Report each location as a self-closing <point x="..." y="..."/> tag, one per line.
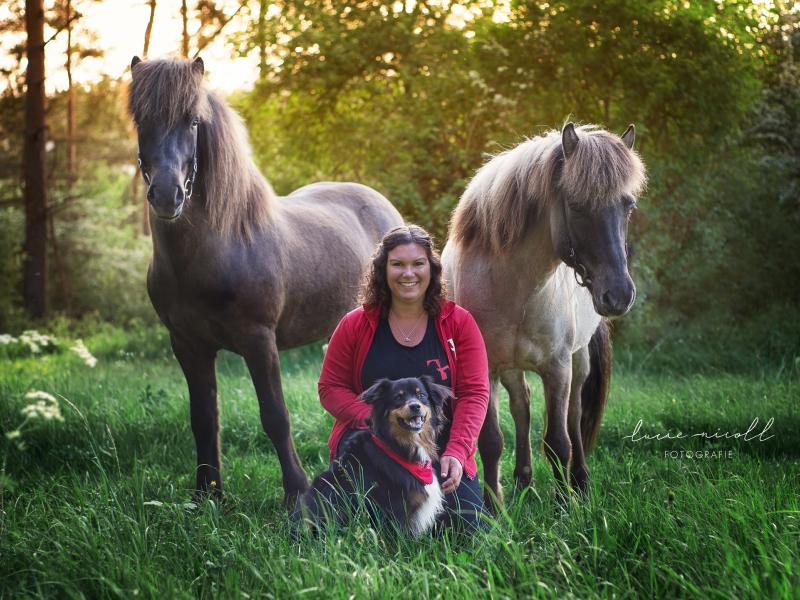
<point x="536" y="256"/>
<point x="185" y="239"/>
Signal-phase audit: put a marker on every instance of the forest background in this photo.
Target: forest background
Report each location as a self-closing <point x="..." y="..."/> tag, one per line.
<point x="411" y="98"/>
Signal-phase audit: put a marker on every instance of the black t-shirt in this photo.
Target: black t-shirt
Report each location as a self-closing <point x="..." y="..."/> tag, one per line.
<point x="390" y="359"/>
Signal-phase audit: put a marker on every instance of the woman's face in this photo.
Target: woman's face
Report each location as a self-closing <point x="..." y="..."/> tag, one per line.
<point x="408" y="273"/>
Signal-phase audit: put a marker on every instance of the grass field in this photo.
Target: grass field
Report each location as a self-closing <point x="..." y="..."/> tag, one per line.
<point x="98" y="505"/>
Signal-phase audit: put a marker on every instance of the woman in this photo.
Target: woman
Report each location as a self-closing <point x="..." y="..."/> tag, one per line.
<point x="405" y="327"/>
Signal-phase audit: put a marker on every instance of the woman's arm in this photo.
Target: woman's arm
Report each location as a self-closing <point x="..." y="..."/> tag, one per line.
<point x="336" y="393"/>
<point x="472" y="390"/>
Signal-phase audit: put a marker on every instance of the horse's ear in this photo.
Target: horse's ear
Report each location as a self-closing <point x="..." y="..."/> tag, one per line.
<point x="569" y="140"/>
<point x="629" y="136"/>
<point x="198" y="66"/>
<point x="135" y="61"/>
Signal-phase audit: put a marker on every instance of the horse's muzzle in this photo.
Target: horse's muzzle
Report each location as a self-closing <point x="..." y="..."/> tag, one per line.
<point x="167" y="201"/>
<point x="615" y="301"/>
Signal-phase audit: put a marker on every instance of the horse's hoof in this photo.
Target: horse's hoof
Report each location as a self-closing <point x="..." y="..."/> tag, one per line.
<point x="291" y="495"/>
<point x="580" y="484"/>
<point x="209" y="493"/>
<point x="493" y="500"/>
<point x="522" y="478"/>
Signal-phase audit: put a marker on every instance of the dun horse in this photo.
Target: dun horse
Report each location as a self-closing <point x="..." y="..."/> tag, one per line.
<point x="537" y="254"/>
<point x="235" y="267"/>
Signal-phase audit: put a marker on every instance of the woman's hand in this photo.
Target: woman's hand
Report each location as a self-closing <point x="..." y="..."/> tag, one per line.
<point x="451" y="473"/>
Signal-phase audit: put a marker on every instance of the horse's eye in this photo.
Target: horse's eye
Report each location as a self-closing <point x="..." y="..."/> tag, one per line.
<point x="630" y="203"/>
<point x="195" y="122"/>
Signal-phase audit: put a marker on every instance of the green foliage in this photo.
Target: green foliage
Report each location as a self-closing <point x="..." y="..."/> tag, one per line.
<point x="103" y="260"/>
<point x="11" y="235"/>
<point x="408" y="98"/>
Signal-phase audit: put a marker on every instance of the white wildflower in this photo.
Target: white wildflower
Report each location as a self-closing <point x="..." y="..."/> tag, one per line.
<point x="47" y="407"/>
<point x="81" y="350"/>
<point x="6" y="339"/>
<point x="39" y="395"/>
<point x="13" y="435"/>
<point x="35" y="341"/>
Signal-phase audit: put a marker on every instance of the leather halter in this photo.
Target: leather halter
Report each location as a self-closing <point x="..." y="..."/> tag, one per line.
<point x="188" y="185"/>
<point x="580" y="271"/>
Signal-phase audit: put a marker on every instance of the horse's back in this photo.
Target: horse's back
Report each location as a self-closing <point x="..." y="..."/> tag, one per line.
<point x="340" y="200"/>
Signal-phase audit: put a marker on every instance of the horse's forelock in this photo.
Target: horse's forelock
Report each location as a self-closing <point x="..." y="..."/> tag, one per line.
<point x="601" y="170"/>
<point x="166" y="91"/>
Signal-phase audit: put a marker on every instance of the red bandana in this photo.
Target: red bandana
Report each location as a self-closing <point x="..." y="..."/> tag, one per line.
<point x="423" y="472"/>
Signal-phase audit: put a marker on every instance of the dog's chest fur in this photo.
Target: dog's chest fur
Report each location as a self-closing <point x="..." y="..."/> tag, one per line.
<point x="428" y="505"/>
<point x="423" y="518"/>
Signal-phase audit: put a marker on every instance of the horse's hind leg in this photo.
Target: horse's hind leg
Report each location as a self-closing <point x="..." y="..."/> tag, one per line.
<point x="261" y="356"/>
<point x="579" y="475"/>
<point x="198" y="367"/>
<point x="557" y="447"/>
<point x="490" y="444"/>
<point x="519" y="398"/>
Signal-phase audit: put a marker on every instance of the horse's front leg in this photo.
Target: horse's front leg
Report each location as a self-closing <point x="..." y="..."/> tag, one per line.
<point x="261" y="356"/>
<point x="198" y="364"/>
<point x="519" y="399"/>
<point x="579" y="474"/>
<point x="490" y="444"/>
<point x="557" y="448"/>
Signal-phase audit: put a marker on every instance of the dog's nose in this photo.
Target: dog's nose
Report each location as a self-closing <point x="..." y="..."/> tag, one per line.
<point x="415" y="407"/>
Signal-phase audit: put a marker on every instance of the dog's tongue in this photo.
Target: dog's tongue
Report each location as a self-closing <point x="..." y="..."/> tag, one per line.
<point x="415" y="422"/>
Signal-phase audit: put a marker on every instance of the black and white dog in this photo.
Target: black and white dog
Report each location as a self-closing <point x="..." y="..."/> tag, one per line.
<point x="390" y="463"/>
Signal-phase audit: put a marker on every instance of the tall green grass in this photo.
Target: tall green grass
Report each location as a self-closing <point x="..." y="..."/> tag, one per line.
<point x="98" y="505"/>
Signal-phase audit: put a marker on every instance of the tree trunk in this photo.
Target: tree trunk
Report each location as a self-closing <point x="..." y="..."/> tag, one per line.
<point x="35" y="268"/>
<point x="71" y="148"/>
<point x="149" y="29"/>
<point x="185" y="18"/>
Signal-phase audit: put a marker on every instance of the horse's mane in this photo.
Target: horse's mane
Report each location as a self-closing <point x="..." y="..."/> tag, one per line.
<point x="236" y="196"/>
<point x="511" y="191"/>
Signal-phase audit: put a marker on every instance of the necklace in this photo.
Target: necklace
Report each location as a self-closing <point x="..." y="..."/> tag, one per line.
<point x="407" y="336"/>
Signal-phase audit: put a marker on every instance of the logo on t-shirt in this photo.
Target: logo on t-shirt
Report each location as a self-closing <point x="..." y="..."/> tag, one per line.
<point x="441" y="369"/>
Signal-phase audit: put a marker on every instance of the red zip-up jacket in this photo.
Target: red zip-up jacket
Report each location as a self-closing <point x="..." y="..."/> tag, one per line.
<point x="340" y="381"/>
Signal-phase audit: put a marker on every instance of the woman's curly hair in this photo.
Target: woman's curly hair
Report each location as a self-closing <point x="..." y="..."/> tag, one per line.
<point x="375" y="289"/>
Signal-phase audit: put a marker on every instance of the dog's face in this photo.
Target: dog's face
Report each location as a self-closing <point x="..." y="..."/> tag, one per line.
<point x="407" y="411"/>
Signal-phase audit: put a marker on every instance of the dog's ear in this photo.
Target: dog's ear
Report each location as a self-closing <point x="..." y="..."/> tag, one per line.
<point x="378" y="389"/>
<point x="437" y="393"/>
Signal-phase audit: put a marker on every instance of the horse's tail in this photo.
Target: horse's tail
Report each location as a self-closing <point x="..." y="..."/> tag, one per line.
<point x="595" y="389"/>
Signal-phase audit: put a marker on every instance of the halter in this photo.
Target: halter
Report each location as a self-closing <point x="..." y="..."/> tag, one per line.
<point x="188" y="185"/>
<point x="578" y="268"/>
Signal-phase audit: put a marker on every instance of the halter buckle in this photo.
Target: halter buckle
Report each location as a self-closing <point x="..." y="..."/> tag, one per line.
<point x="581" y="275"/>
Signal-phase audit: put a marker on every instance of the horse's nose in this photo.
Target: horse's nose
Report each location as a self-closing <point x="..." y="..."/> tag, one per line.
<point x="166" y="200"/>
<point x="617" y="302"/>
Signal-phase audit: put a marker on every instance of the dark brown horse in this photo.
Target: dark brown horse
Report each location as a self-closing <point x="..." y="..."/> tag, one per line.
<point x="537" y="254"/>
<point x="235" y="267"/>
